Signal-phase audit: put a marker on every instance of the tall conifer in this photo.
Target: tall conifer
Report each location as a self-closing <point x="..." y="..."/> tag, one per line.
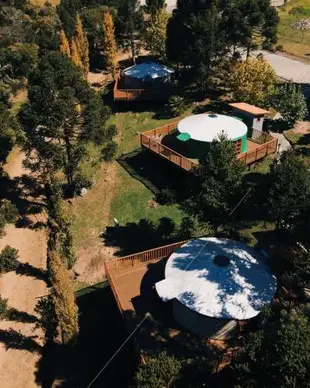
<point x="82" y="45"/>
<point x="64" y="300"/>
<point x="109" y="43"/>
<point x="75" y="56"/>
<point x="64" y="44"/>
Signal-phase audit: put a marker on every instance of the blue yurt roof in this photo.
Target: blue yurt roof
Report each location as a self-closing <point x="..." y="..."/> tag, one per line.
<point x="148" y="71"/>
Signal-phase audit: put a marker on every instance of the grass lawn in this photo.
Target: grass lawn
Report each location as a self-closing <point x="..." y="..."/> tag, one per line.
<point x="117" y="194"/>
<point x="293" y="41"/>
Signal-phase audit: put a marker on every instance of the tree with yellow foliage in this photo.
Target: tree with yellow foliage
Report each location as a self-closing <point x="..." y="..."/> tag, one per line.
<point x="63" y="298"/>
<point x="82" y="45"/>
<point x="252" y="81"/>
<point x="109" y="43"/>
<point x="64" y="44"/>
<point x="75" y="56"/>
<point x="155" y="36"/>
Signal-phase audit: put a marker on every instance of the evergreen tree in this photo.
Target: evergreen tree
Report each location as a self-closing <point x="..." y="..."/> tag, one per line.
<point x="252" y="81"/>
<point x="220" y="177"/>
<point x="155" y="36"/>
<point x="56" y="124"/>
<point x="195" y="37"/>
<point x="152" y="6"/>
<point x="9" y="131"/>
<point x="8" y="214"/>
<point x="243" y="20"/>
<point x="260" y="365"/>
<point x="64" y="44"/>
<point x="64" y="299"/>
<point x="109" y="43"/>
<point x="290" y="102"/>
<point x="75" y="56"/>
<point x="289" y="194"/>
<point x="82" y="45"/>
<point x="130" y="23"/>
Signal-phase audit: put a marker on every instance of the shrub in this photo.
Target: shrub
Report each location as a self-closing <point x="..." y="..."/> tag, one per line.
<point x="177" y="105"/>
<point x="162" y="371"/>
<point x="279" y="47"/>
<point x="109" y="151"/>
<point x="8" y="259"/>
<point x="3" y="307"/>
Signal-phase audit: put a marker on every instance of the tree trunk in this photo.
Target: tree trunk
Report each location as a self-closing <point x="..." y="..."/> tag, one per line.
<point x="68" y="169"/>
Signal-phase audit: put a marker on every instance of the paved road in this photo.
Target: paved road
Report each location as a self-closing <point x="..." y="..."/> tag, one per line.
<point x="288" y="68"/>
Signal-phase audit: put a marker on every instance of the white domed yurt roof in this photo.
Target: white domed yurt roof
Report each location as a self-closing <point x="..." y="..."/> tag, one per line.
<point x="148" y="71"/>
<point x="218" y="278"/>
<point x="206" y="127"/>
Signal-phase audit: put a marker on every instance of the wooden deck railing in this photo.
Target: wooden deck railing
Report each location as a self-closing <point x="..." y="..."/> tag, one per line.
<point x="260" y="152"/>
<point x="127" y="94"/>
<point x="130" y="261"/>
<point x="259" y="137"/>
<point x="152" y="140"/>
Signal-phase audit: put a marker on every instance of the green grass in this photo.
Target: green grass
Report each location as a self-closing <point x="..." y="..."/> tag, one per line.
<point x="115" y="194"/>
<point x="291" y="39"/>
<point x="131" y="200"/>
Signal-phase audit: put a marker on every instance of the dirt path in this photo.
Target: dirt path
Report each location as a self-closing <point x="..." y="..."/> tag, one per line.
<point x="20" y="342"/>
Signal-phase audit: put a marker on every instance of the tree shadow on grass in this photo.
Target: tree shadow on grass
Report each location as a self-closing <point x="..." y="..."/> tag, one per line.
<point x="13" y="339"/>
<point x="101" y="333"/>
<point x="27" y="269"/>
<point x="145" y="234"/>
<point x="158" y="174"/>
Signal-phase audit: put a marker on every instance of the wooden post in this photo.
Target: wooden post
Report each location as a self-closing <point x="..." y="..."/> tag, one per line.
<point x="267" y="148"/>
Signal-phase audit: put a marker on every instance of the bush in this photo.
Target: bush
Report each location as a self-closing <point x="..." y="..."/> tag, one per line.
<point x="80" y="181"/>
<point x="3" y="307"/>
<point x="177" y="105"/>
<point x="290" y="102"/>
<point x="8" y="259"/>
<point x="162" y="371"/>
<point x="109" y="151"/>
<point x="279" y="47"/>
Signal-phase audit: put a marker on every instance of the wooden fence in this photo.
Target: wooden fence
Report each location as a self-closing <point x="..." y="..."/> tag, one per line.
<point x="130" y="261"/>
<point x="152" y="140"/>
<point x="260" y="152"/>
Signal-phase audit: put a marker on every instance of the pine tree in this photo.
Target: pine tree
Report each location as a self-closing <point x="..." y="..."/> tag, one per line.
<point x="64" y="44"/>
<point x="82" y="45"/>
<point x="76" y="59"/>
<point x="109" y="43"/>
<point x="155" y="36"/>
<point x="64" y="300"/>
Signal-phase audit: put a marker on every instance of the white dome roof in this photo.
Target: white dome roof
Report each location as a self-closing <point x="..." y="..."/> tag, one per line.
<point x="148" y="71"/>
<point x="207" y="127"/>
<point x="218" y="278"/>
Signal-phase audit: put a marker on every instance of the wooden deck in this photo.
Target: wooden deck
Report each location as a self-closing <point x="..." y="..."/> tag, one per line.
<point x="259" y="146"/>
<point x="132" y="280"/>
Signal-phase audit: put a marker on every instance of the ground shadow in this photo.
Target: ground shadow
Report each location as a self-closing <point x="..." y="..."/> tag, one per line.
<point x="26" y="194"/>
<point x="27" y="269"/>
<point x="20" y="316"/>
<point x="158" y="174"/>
<point x="13" y="339"/>
<point x="139" y="236"/>
<point x="254" y="207"/>
<point x="101" y="333"/>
